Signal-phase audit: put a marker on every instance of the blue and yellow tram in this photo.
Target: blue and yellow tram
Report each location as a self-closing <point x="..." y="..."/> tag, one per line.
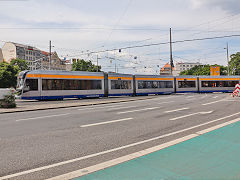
<point x="45" y="85"/>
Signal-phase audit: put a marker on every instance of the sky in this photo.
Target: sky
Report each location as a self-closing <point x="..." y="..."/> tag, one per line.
<point x="79" y="27"/>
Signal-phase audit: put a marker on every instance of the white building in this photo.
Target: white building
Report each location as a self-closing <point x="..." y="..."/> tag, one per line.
<point x="1" y="56"/>
<point x="35" y="57"/>
<point x="183" y="66"/>
<point x="13" y="50"/>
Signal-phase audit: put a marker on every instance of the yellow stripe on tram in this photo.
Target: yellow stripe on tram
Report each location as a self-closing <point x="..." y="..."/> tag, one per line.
<point x="219" y="79"/>
<point x="154" y="79"/>
<point x="63" y="76"/>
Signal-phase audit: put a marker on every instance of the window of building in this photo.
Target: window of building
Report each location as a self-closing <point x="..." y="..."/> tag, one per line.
<point x="186" y="84"/>
<point x="65" y="84"/>
<point x="120" y="84"/>
<point x="187" y="65"/>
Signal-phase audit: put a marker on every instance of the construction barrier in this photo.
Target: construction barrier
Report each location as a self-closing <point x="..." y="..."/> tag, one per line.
<point x="236" y="92"/>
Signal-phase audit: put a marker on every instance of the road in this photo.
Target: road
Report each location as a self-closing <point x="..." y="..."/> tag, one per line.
<point x="43" y="144"/>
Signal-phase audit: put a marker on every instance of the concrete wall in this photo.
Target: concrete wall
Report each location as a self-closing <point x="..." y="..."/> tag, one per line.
<point x="9" y="52"/>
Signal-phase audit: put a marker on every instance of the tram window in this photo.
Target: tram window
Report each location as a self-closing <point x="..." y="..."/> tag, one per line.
<point x="154" y="84"/>
<point x="186" y="84"/>
<point x="169" y="84"/>
<point x="219" y="83"/>
<point x="119" y="84"/>
<point x="32" y="84"/>
<point x="65" y="84"/>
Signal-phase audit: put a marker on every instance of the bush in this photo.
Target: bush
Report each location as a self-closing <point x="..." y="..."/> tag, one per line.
<point x="9" y="100"/>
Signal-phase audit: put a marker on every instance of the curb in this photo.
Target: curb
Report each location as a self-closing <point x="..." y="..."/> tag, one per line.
<point x="76" y="105"/>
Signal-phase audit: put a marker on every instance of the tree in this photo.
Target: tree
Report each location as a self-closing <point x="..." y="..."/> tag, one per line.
<point x="22" y="64"/>
<point x="8" y="75"/>
<point x="234" y="64"/>
<point x="203" y="70"/>
<point x="82" y="65"/>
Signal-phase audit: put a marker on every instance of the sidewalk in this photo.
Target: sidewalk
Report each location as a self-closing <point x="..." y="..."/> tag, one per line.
<point x="214" y="155"/>
<point x="41" y="105"/>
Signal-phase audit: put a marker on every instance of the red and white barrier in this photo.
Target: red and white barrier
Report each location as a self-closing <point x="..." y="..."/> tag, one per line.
<point x="236" y="92"/>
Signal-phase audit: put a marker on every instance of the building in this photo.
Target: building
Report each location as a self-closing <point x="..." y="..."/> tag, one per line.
<point x="183" y="66"/>
<point x="36" y="58"/>
<point x="13" y="50"/>
<point x="1" y="56"/>
<point x="166" y="70"/>
<point x="56" y="62"/>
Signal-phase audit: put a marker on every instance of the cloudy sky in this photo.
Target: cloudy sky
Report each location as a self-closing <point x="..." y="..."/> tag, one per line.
<point x="77" y="27"/>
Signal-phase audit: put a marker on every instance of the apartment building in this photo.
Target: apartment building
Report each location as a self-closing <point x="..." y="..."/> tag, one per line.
<point x="35" y="57"/>
<point x="13" y="50"/>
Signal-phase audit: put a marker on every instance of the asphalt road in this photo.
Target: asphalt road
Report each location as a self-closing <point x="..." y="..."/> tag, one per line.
<point x="43" y="144"/>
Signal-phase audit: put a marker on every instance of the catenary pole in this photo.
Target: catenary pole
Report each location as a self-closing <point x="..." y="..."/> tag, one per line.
<point x="50" y="54"/>
<point x="171" y="52"/>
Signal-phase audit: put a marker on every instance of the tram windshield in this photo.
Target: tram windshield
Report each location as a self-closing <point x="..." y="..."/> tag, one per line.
<point x="21" y="81"/>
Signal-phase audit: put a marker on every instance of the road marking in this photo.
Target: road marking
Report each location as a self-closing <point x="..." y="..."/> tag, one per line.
<point x="181" y="117"/>
<point x="212" y="102"/>
<point x="168" y="102"/>
<point x="111" y="150"/>
<point x="107" y="164"/>
<point x="121" y="108"/>
<point x="176" y="110"/>
<point x="98" y="107"/>
<point x="190" y="96"/>
<point x="189" y="99"/>
<point x="137" y="110"/>
<point x="28" y="119"/>
<point x="107" y="122"/>
<point x="215" y="97"/>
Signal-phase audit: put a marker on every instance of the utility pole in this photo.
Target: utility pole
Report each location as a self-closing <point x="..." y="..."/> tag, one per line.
<point x="97" y="62"/>
<point x="171" y="52"/>
<point x="227" y="48"/>
<point x="50" y="54"/>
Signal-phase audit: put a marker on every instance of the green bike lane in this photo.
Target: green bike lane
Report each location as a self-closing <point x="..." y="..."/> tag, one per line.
<point x="214" y="155"/>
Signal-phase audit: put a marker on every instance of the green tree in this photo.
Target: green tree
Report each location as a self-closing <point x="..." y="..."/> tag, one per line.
<point x="8" y="75"/>
<point x="234" y="64"/>
<point x="82" y="65"/>
<point x="203" y="70"/>
<point x="22" y="64"/>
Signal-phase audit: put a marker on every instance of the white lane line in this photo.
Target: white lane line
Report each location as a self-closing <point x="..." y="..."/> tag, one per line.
<point x="198" y="113"/>
<point x="107" y="122"/>
<point x="215" y="97"/>
<point x="122" y="108"/>
<point x="190" y="97"/>
<point x="107" y="164"/>
<point x="43" y="117"/>
<point x="212" y="102"/>
<point x="167" y="102"/>
<point x="176" y="110"/>
<point x="98" y="107"/>
<point x="111" y="150"/>
<point x="138" y="110"/>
